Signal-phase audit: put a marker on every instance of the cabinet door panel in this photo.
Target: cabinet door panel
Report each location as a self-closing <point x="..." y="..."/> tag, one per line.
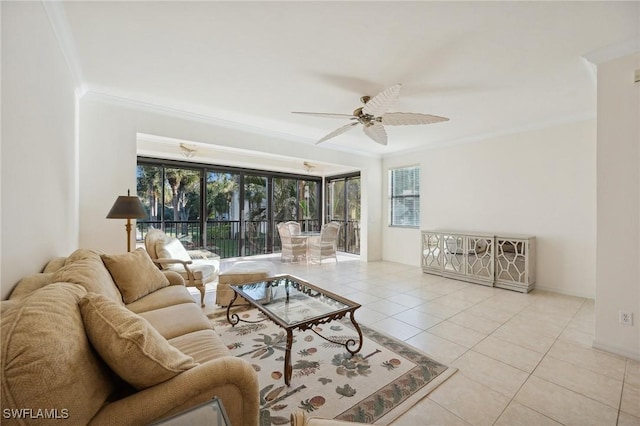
<point x="480" y="259"/>
<point x="453" y="251"/>
<point x="431" y="253"/>
<point x="511" y="264"/>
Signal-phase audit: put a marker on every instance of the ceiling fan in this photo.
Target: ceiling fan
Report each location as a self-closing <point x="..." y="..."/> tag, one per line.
<point x="373" y="116"/>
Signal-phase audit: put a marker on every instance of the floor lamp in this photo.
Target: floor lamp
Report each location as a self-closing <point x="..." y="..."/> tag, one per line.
<point x="127" y="207"/>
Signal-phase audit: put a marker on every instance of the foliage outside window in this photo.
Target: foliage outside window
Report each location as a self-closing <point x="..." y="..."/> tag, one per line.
<point x="404" y="196"/>
<point x="343" y="206"/>
<point x="229" y="211"/>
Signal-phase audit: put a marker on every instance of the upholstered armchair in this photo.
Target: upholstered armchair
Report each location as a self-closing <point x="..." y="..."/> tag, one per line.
<point x="325" y="246"/>
<point x="293" y="248"/>
<point x="168" y="253"/>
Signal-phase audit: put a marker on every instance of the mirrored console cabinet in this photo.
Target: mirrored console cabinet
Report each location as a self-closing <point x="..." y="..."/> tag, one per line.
<point x="506" y="261"/>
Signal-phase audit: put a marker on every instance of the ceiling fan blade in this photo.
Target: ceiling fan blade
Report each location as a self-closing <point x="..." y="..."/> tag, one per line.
<point x="383" y="101"/>
<point x="376" y="132"/>
<point x="406" y="118"/>
<point x="338" y="131"/>
<point x="324" y="114"/>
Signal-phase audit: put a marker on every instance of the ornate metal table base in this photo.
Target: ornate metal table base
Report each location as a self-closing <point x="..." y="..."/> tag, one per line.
<point x="347" y="306"/>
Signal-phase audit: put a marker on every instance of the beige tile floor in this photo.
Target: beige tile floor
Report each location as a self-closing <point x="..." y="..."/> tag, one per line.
<point x="523" y="359"/>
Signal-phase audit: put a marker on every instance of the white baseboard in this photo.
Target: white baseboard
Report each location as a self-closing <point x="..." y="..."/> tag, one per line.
<point x="617" y="351"/>
<point x="567" y="293"/>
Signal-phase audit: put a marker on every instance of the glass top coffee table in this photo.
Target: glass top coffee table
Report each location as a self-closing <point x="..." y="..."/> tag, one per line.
<point x="296" y="304"/>
<point x="208" y="413"/>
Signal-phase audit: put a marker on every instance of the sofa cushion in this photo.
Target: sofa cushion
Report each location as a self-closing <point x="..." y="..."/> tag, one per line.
<point x="135" y="274"/>
<point x="203" y="345"/>
<point x="47" y="360"/>
<point x="31" y="283"/>
<point x="177" y="320"/>
<point x="166" y="296"/>
<point x="84" y="267"/>
<point x="129" y="344"/>
<point x="55" y="264"/>
<point x="171" y="248"/>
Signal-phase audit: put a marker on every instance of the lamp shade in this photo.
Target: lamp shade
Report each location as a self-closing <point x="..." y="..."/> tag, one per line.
<point x="127" y="207"/>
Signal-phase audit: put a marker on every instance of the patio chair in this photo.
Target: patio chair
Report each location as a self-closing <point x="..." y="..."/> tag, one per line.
<point x="294" y="227"/>
<point x="293" y="248"/>
<point x="168" y="253"/>
<point x="324" y="247"/>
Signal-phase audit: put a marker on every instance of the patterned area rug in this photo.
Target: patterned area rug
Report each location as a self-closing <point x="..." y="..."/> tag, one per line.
<point x="375" y="386"/>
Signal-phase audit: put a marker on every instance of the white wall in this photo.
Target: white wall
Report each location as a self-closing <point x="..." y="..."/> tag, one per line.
<point x="39" y="207"/>
<point x="108" y="163"/>
<point x="539" y="183"/>
<point x="618" y="237"/>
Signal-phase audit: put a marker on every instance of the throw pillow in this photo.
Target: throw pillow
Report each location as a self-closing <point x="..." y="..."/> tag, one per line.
<point x="86" y="268"/>
<point x="47" y="360"/>
<point x="135" y="274"/>
<point x="31" y="283"/>
<point x="171" y="248"/>
<point x="129" y="344"/>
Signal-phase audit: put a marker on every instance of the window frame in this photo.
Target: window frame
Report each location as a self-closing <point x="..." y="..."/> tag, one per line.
<point x="204" y="168"/>
<point x="393" y="197"/>
<point x="348" y="237"/>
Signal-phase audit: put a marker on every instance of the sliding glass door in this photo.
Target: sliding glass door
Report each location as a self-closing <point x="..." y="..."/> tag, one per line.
<point x="343" y="206"/>
<point x="309" y="215"/>
<point x="182" y="205"/>
<point x="223" y="213"/>
<point x="255" y="225"/>
<point x="230" y="211"/>
<point x="171" y="196"/>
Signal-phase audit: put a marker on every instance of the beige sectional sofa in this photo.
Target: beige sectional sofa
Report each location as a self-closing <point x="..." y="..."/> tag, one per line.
<point x="110" y="339"/>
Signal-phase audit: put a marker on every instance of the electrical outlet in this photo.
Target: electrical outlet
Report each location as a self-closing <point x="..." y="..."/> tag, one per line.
<point x="626" y="318"/>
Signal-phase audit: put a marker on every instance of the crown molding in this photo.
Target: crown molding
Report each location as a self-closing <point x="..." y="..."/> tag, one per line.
<point x="60" y="25"/>
<point x="191" y="116"/>
<point x="505" y="132"/>
<point x="211" y="120"/>
<point x="614" y="51"/>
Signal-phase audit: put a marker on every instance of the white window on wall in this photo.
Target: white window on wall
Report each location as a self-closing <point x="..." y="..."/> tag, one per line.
<point x="404" y="196"/>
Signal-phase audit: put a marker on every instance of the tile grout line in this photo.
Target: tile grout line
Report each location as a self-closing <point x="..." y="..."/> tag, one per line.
<point x="556" y="339"/>
<point x="357" y="273"/>
<point x="564" y="387"/>
<point x="471" y="348"/>
<point x="529" y="374"/>
<point x="540" y="361"/>
<point x="511" y="399"/>
<point x="446" y="409"/>
<point x="626" y="365"/>
<point x="527" y="379"/>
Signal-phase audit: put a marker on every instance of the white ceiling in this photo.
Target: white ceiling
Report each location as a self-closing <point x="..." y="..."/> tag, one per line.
<point x="491" y="67"/>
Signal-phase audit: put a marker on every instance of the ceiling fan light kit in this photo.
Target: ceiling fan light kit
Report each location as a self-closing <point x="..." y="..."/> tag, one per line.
<point x="373" y="116"/>
<point x="188" y="151"/>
